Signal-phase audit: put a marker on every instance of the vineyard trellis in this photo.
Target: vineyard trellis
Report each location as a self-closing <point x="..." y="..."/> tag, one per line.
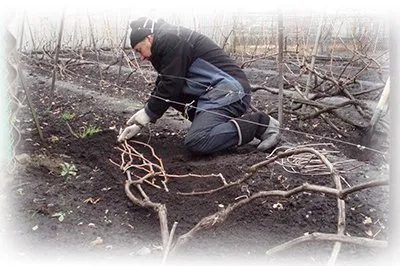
<point x="251" y="36"/>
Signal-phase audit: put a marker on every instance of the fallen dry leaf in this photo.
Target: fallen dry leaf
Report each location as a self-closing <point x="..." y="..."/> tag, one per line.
<point x="369" y="232"/>
<point x="367" y="220"/>
<point x="91" y="200"/>
<point x="97" y="241"/>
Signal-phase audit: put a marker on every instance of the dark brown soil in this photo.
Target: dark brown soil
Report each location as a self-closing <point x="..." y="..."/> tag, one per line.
<point x="38" y="197"/>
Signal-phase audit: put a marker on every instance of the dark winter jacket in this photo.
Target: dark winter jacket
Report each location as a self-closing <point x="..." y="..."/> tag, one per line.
<point x="192" y="69"/>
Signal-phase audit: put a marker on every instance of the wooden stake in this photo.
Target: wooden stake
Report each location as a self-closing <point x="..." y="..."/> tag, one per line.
<point x="380" y="107"/>
<point x="31" y="34"/>
<point x="28" y="98"/>
<point x="21" y="37"/>
<point x="122" y="52"/>
<point x="312" y="65"/>
<point x="55" y="66"/>
<point x="280" y="67"/>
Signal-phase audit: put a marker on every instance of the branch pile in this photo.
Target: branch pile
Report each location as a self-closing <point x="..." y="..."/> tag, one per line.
<point x="301" y="160"/>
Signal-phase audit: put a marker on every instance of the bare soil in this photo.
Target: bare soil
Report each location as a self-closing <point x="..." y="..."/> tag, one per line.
<point x="88" y="216"/>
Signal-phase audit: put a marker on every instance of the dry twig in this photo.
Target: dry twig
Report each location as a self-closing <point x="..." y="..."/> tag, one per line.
<point x="328" y="237"/>
<point x="307" y="157"/>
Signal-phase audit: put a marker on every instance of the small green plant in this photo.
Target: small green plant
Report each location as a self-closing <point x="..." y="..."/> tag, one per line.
<point x="68" y="169"/>
<point x="67" y="116"/>
<point x="88" y="131"/>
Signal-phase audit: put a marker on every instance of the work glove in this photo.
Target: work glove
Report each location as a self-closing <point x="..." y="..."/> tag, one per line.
<point x="271" y="136"/>
<point x="129" y="132"/>
<point x="140" y="118"/>
<point x="135" y="124"/>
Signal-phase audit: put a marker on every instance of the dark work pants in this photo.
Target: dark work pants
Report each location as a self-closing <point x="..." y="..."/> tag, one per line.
<point x="213" y="130"/>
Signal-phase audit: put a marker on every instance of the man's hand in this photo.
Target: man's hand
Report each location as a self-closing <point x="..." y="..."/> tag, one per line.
<point x="140" y="118"/>
<point x="129" y="132"/>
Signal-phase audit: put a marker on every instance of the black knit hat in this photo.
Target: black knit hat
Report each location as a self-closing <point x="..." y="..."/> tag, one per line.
<point x="141" y="28"/>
